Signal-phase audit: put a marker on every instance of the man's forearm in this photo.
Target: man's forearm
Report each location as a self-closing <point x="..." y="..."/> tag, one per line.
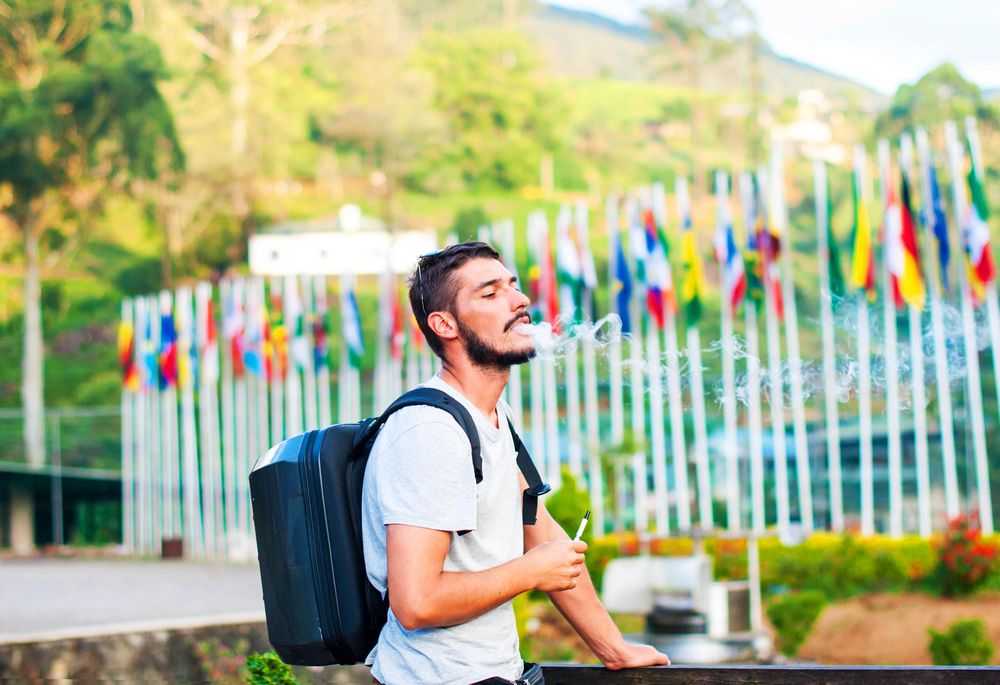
<point x="457" y="597"/>
<point x="583" y="609"/>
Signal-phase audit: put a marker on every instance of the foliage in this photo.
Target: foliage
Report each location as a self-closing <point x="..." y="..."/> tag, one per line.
<point x="938" y="96"/>
<point x="963" y="643"/>
<point x="220" y="663"/>
<point x="268" y="669"/>
<point x="501" y="115"/>
<point x="965" y="559"/>
<point x="793" y="616"/>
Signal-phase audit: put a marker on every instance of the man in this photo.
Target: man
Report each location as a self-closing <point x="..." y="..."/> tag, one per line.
<point x="450" y="615"/>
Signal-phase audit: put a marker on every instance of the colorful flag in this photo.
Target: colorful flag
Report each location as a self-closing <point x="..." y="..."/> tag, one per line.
<point x="351" y="325"/>
<point x="892" y="239"/>
<point x="660" y="297"/>
<point x="769" y="247"/>
<point x="693" y="286"/>
<point x="278" y="333"/>
<point x="734" y="280"/>
<point x="837" y="285"/>
<point x="936" y="219"/>
<point x="622" y="286"/>
<point x="862" y="260"/>
<point x="232" y="331"/>
<point x="911" y="285"/>
<point x="210" y="345"/>
<point x="299" y="345"/>
<point x="150" y="361"/>
<point x="751" y="256"/>
<point x="396" y="335"/>
<point x="168" y="344"/>
<point x="126" y="356"/>
<point x="976" y="235"/>
<point x="570" y="270"/>
<point x="321" y="334"/>
<point x="588" y="271"/>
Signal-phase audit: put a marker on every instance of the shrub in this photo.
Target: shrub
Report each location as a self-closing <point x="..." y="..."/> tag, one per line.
<point x="268" y="669"/>
<point x="793" y="617"/>
<point x="963" y="643"/>
<point x="965" y="559"/>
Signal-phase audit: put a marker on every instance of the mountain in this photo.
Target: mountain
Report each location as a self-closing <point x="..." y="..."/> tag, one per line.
<point x="582" y="44"/>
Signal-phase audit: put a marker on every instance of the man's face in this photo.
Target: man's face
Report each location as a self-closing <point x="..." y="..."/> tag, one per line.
<point x="488" y="308"/>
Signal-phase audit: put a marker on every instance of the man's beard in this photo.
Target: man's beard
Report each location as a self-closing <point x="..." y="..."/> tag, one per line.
<point x="484" y="355"/>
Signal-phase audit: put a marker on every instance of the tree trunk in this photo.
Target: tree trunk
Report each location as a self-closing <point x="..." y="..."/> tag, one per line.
<point x="32" y="381"/>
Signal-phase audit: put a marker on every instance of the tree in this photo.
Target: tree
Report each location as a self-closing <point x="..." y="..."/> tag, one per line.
<point x="941" y="94"/>
<point x="501" y="114"/>
<point x="693" y="35"/>
<point x="80" y="114"/>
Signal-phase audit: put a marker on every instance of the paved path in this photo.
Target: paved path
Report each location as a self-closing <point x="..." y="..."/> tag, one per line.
<point x="47" y="599"/>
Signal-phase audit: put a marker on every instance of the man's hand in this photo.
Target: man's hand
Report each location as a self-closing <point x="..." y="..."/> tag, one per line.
<point x="636" y="656"/>
<point x="556" y="565"/>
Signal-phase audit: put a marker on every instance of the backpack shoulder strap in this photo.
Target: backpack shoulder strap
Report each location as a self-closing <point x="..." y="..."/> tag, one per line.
<point x="536" y="488"/>
<point x="430" y="397"/>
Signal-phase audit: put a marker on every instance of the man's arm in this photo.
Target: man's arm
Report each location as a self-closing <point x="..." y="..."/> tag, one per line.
<point x="423" y="595"/>
<point x="583" y="609"/>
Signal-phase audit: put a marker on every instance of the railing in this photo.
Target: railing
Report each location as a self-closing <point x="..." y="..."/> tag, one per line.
<point x="774" y="675"/>
<point x="81" y="437"/>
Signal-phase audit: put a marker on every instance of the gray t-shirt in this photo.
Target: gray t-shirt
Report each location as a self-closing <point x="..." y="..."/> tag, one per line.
<point x="420" y="474"/>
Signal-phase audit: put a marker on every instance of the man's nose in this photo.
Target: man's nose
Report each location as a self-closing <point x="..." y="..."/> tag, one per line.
<point x="520" y="300"/>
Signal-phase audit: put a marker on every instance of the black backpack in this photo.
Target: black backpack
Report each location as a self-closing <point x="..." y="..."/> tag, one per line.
<point x="306" y="495"/>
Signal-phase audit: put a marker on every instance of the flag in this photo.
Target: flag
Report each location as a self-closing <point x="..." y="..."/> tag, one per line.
<point x="936" y="219"/>
<point x="396" y="335"/>
<point x="911" y="285"/>
<point x="660" y="297"/>
<point x="257" y="346"/>
<point x="837" y="285"/>
<point x="126" y="356"/>
<point x="892" y="239"/>
<point x="278" y="334"/>
<point x="862" y="261"/>
<point x="168" y="345"/>
<point x="232" y="331"/>
<point x="187" y="356"/>
<point x="548" y="278"/>
<point x="299" y="345"/>
<point x="769" y="248"/>
<point x="150" y="361"/>
<point x="321" y="334"/>
<point x="588" y="271"/>
<point x="210" y="345"/>
<point x="693" y="285"/>
<point x="734" y="280"/>
<point x="751" y="257"/>
<point x="534" y="273"/>
<point x="351" y="324"/>
<point x="976" y="235"/>
<point x="570" y="270"/>
<point x="622" y="287"/>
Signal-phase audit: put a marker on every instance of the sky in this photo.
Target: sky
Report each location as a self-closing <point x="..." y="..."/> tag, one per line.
<point x="880" y="43"/>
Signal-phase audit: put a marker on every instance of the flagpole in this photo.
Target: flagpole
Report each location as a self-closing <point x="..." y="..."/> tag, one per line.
<point x="207" y="426"/>
<point x="305" y="351"/>
<point x="801" y="435"/>
<point x="992" y="305"/>
<point x="169" y="435"/>
<point x="231" y="329"/>
<point x="241" y="423"/>
<point x="615" y="370"/>
<point x="726" y="307"/>
<point x="564" y="258"/>
<point x="193" y="527"/>
<point x="914" y="314"/>
<point x="142" y="453"/>
<point x="829" y="363"/>
<point x="776" y="395"/>
<point x="637" y="381"/>
<point x="697" y="388"/>
<point x="942" y="376"/>
<point x="515" y="395"/>
<point x="755" y="427"/>
<point x="127" y="432"/>
<point x="156" y="481"/>
<point x="864" y="370"/>
<point x="891" y="224"/>
<point x="590" y="397"/>
<point x="974" y="387"/>
<point x="257" y="393"/>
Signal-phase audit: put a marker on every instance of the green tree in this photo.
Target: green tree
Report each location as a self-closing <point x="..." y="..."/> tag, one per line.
<point x="501" y="114"/>
<point x="80" y="115"/>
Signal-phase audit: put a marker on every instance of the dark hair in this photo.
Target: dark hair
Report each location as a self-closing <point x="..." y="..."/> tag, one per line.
<point x="432" y="284"/>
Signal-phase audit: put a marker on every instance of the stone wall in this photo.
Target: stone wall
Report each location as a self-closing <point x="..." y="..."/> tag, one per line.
<point x="195" y="655"/>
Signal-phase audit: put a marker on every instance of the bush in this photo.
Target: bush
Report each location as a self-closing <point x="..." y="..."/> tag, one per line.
<point x="965" y="559"/>
<point x="964" y="643"/>
<point x="268" y="669"/>
<point x="793" y="617"/>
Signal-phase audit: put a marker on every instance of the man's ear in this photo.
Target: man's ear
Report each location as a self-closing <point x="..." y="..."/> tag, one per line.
<point x="443" y="324"/>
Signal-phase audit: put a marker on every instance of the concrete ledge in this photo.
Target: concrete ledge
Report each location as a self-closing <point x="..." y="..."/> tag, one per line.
<point x="774" y="675"/>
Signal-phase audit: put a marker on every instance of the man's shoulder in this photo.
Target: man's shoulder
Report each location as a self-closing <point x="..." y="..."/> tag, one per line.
<point x="419" y="423"/>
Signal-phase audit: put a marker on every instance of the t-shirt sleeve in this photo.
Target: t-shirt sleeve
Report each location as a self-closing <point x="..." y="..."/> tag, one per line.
<point x="425" y="477"/>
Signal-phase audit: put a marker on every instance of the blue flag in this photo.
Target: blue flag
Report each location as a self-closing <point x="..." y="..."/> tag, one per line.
<point x="935" y="219"/>
<point x="622" y="287"/>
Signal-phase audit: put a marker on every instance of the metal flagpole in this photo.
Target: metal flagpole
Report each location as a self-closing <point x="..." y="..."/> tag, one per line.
<point x="780" y="219"/>
<point x="974" y="389"/>
<point x="942" y="376"/>
<point x="193" y="528"/>
<point x="891" y="240"/>
<point x="232" y="330"/>
<point x="864" y="369"/>
<point x="323" y="372"/>
<point x="917" y="369"/>
<point x="306" y="353"/>
<point x="241" y="423"/>
<point x="834" y="475"/>
<point x="128" y="401"/>
<point x="208" y="407"/>
<point x="615" y="368"/>
<point x="143" y="452"/>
